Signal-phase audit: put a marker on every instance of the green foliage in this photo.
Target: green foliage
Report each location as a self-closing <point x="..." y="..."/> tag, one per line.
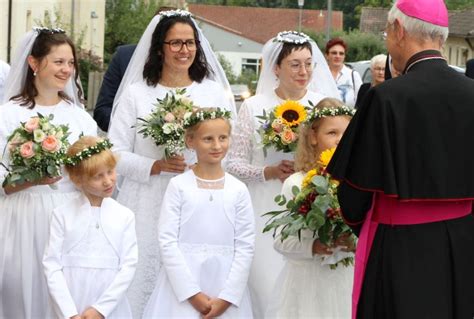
<point x="227" y="68"/>
<point x="125" y="22"/>
<point x="249" y="77"/>
<point x="362" y="46"/>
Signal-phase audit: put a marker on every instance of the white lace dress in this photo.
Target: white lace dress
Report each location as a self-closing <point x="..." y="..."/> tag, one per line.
<point x="139" y="191"/>
<point x="247" y="161"/>
<point x="307" y="287"/>
<point x="25" y="216"/>
<point x="206" y="235"/>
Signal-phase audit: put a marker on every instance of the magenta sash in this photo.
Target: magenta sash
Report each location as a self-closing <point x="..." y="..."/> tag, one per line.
<point x="390" y="211"/>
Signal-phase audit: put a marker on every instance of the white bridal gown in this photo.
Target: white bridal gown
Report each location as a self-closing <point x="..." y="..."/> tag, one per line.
<point x="25" y="216"/>
<point x="246" y="160"/>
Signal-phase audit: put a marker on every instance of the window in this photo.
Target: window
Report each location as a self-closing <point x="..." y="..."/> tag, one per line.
<point x="251" y="64"/>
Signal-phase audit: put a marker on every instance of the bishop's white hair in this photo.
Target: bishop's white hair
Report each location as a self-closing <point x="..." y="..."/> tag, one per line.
<point x="418" y="28"/>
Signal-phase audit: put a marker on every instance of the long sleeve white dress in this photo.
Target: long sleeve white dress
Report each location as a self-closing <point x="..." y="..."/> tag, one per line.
<point x="206" y="238"/>
<point x="140" y="192"/>
<point x="246" y="160"/>
<point x="307" y="287"/>
<point x="91" y="257"/>
<point x="25" y="216"/>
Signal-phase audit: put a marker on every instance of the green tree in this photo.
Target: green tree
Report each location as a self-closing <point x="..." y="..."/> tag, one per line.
<point x="227" y="68"/>
<point x="125" y="22"/>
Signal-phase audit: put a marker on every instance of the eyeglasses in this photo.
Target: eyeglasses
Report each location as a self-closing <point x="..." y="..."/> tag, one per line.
<point x="384" y="35"/>
<point x="341" y="53"/>
<point x="377" y="69"/>
<point x="296" y="67"/>
<point x="177" y="45"/>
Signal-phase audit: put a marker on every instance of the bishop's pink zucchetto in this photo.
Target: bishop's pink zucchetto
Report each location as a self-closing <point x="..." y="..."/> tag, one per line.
<point x="431" y="11"/>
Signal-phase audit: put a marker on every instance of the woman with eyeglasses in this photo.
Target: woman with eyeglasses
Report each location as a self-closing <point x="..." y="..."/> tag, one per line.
<point x="377" y="69"/>
<point x="347" y="80"/>
<point x="293" y="69"/>
<point x="172" y="54"/>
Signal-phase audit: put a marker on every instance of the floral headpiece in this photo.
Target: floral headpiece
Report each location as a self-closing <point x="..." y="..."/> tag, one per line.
<point x="330" y="111"/>
<point x="45" y="30"/>
<point x="192" y="118"/>
<point x="175" y="13"/>
<point x="292" y="37"/>
<point x="88" y="152"/>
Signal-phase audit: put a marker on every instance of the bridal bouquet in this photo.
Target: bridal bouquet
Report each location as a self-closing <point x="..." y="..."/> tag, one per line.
<point x="165" y="123"/>
<point x="314" y="207"/>
<point x="279" y="128"/>
<point x="37" y="149"/>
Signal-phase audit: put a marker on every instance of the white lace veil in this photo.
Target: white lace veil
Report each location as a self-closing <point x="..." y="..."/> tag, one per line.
<point x="134" y="72"/>
<point x="321" y="81"/>
<point x="19" y="68"/>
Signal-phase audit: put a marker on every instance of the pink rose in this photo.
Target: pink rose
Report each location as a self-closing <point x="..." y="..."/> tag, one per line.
<point x="50" y="144"/>
<point x="287" y="137"/>
<point x="277" y="125"/>
<point x="32" y="124"/>
<point x="26" y="150"/>
<point x="169" y="117"/>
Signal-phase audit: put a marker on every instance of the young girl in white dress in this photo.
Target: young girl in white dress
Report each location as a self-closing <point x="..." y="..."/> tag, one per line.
<point x="206" y="232"/>
<point x="293" y="69"/>
<point x="91" y="255"/>
<point x="307" y="287"/>
<point x="172" y="54"/>
<point x="42" y="79"/>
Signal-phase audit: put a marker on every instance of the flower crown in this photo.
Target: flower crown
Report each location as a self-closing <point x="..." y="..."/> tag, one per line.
<point x="45" y="30"/>
<point x="292" y="37"/>
<point x="88" y="152"/>
<point x="175" y="13"/>
<point x="330" y="111"/>
<point x="192" y="118"/>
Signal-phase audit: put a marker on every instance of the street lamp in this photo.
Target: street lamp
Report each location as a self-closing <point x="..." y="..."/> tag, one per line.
<point x="329" y="21"/>
<point x="300" y="4"/>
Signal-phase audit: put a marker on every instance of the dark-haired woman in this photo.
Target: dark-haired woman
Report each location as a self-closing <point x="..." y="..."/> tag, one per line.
<point x="42" y="79"/>
<point x="293" y="69"/>
<point x="171" y="54"/>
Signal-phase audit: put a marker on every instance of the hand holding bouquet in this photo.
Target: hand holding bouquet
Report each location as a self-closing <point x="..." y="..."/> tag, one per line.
<point x="37" y="150"/>
<point x="165" y="123"/>
<point x="315" y="207"/>
<point x="279" y="128"/>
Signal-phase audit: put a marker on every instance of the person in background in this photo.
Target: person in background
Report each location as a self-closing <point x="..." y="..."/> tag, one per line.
<point x="4" y="69"/>
<point x="470" y="68"/>
<point x="406" y="177"/>
<point x="347" y="80"/>
<point x="377" y="68"/>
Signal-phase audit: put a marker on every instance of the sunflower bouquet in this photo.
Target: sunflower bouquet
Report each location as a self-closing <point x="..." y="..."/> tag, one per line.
<point x="165" y="123"/>
<point x="279" y="127"/>
<point x="314" y="207"/>
<point x="37" y="149"/>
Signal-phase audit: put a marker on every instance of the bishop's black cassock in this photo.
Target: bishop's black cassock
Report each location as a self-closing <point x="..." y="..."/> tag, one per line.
<point x="406" y="162"/>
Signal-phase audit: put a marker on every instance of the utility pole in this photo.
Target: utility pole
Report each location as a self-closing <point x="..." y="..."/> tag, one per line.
<point x="329" y="21"/>
<point x="300" y="4"/>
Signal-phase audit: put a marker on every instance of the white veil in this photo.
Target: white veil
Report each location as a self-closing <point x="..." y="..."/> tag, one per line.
<point x="321" y="81"/>
<point x="134" y="72"/>
<point x="17" y="76"/>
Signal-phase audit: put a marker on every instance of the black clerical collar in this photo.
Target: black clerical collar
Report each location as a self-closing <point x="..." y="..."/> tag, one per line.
<point x="423" y="56"/>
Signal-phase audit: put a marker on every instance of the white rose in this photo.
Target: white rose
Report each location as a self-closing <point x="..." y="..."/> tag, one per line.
<point x="38" y="135"/>
<point x="187" y="115"/>
<point x="168" y="128"/>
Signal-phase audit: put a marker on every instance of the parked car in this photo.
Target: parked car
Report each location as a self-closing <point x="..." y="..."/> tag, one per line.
<point x="240" y="91"/>
<point x="363" y="68"/>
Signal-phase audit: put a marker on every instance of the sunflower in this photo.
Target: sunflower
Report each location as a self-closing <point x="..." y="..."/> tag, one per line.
<point x="326" y="156"/>
<point x="308" y="177"/>
<point x="291" y="113"/>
